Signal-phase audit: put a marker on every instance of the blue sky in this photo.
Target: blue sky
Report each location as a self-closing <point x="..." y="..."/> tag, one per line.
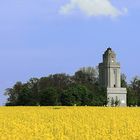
<point x="38" y="38"/>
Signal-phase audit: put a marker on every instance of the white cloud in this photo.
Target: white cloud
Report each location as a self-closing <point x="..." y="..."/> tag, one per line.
<point x="92" y="8"/>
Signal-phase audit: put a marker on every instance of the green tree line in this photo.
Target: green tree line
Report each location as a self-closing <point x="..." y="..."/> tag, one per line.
<point x="64" y="90"/>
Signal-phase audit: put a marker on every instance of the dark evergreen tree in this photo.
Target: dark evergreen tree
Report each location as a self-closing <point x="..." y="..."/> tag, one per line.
<point x="49" y="97"/>
<point x="75" y="95"/>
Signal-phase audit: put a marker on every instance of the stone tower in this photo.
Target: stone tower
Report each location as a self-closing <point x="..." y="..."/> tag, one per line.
<point x="110" y="78"/>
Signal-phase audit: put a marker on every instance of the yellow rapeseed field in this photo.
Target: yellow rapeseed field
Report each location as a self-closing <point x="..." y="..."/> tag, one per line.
<point x="69" y="123"/>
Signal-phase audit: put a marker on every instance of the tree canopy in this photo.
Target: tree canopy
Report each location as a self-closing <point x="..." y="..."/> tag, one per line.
<point x="80" y="89"/>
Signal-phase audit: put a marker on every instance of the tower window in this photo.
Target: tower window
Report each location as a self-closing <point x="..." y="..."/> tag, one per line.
<point x="115" y="78"/>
